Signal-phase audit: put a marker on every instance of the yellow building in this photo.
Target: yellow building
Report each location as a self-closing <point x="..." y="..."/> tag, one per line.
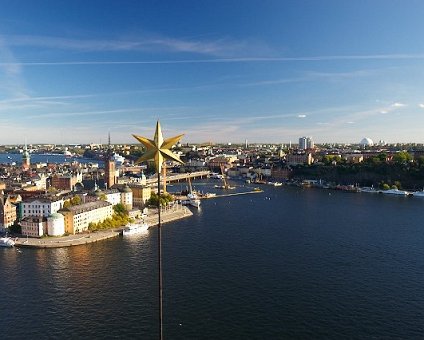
<point x="140" y="194"/>
<point x="78" y="217"/>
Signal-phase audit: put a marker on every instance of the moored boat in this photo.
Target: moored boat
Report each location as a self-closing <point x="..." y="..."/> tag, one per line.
<point x="395" y="192"/>
<point x="136" y="228"/>
<point x="418" y="193"/>
<point x="6" y="242"/>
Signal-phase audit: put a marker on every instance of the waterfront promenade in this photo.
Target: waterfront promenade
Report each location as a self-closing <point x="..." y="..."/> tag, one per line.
<point x="167" y="215"/>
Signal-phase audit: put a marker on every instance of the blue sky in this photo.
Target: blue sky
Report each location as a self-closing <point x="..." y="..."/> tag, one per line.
<point x="220" y="71"/>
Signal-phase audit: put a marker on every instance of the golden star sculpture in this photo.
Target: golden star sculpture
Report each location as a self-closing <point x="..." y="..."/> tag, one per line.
<point x="158" y="148"/>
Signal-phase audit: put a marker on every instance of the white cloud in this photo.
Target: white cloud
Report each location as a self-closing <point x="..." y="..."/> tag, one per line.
<point x="397" y="104"/>
<point x="153" y="42"/>
<point x="421" y="105"/>
<point x="301" y="116"/>
<point x="383" y="112"/>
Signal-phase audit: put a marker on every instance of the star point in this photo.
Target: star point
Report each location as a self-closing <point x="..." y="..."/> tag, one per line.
<point x="158" y="148"/>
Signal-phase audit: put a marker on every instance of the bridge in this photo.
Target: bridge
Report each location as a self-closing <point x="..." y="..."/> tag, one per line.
<point x="180" y="177"/>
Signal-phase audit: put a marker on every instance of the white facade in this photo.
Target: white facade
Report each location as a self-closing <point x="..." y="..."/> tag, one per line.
<point x="77" y="218"/>
<point x="113" y="196"/>
<point x="40" y="207"/>
<point x="55" y="224"/>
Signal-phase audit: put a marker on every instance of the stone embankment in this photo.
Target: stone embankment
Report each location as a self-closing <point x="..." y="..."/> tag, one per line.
<point x="167" y="215"/>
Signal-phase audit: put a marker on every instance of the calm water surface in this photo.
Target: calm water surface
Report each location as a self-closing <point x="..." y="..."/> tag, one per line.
<point x="286" y="263"/>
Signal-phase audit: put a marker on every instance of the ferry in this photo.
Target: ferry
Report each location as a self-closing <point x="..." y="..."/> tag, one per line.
<point x="137" y="228"/>
<point x="6" y="242"/>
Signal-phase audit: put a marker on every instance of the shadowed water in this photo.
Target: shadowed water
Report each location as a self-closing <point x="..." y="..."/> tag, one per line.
<point x="286" y="263"/>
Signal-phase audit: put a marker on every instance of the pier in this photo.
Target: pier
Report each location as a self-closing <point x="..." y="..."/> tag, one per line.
<point x="235" y="194"/>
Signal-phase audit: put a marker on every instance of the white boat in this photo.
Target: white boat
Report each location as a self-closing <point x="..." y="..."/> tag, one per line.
<point x="215" y="175"/>
<point x="368" y="190"/>
<point x="418" y="193"/>
<point x="136" y="228"/>
<point x="276" y="184"/>
<point x="395" y="192"/>
<point x="6" y="242"/>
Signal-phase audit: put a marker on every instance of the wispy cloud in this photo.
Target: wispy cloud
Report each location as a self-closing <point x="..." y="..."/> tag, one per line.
<point x="421" y="105"/>
<point x="301" y="116"/>
<point x="220" y="60"/>
<point x="153" y="42"/>
<point x="12" y="83"/>
<point x="397" y="105"/>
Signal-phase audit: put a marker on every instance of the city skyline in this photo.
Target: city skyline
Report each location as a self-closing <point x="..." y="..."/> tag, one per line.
<point x="266" y="72"/>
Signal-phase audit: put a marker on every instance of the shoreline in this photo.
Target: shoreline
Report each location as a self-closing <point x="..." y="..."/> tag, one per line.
<point x="91" y="237"/>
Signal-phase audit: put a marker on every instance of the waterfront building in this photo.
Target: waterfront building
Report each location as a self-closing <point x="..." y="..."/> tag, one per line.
<point x="278" y="172"/>
<point x="127" y="197"/>
<point x="8" y="213"/>
<point x="78" y="217"/>
<point x="40" y="206"/>
<point x="55" y="224"/>
<point x="33" y="226"/>
<point x="113" y="196"/>
<point x="140" y="193"/>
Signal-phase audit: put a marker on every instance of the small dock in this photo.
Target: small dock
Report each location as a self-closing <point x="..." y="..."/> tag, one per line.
<point x="238" y="193"/>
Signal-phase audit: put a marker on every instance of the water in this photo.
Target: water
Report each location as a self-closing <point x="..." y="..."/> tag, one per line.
<point x="286" y="263"/>
<point x="8" y="158"/>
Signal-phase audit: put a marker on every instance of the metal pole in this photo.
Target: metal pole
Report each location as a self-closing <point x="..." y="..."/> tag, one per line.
<point x="160" y="263"/>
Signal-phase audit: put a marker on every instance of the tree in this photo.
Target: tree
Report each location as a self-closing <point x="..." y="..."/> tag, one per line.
<point x="402" y="157"/>
<point x="67" y="204"/>
<point x="120" y="209"/>
<point x="75" y="200"/>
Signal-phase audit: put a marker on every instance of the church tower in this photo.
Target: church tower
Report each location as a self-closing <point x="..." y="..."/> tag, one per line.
<point x="110" y="178"/>
<point x="25" y="159"/>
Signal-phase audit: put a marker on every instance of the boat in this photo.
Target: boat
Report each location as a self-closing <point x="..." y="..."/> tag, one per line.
<point x="418" y="193"/>
<point x="192" y="198"/>
<point x="6" y="242"/>
<point x="370" y="190"/>
<point x="275" y="184"/>
<point x="215" y="175"/>
<point x="395" y="192"/>
<point x="136" y="228"/>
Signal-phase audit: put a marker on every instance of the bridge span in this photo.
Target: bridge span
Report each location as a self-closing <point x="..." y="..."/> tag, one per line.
<point x="181" y="177"/>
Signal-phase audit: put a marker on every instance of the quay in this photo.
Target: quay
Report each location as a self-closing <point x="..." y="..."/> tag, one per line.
<point x="168" y="214"/>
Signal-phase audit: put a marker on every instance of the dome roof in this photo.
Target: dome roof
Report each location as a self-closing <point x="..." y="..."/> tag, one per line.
<point x="366" y="141"/>
<point x="126" y="189"/>
<point x="56" y="216"/>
